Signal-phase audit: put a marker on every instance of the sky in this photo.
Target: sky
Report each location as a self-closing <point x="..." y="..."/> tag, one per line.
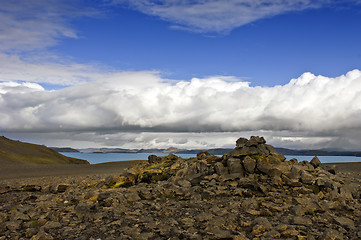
<point x="183" y="73"/>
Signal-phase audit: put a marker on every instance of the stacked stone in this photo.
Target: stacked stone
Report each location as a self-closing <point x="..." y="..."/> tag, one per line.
<point x="248" y="157"/>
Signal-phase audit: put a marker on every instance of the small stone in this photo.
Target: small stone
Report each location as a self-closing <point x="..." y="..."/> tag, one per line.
<point x="103" y="195"/>
<point x="153" y="159"/>
<point x="293" y="161"/>
<point x="290" y="233"/>
<point x="223" y="234"/>
<point x="42" y="236"/>
<point x="281" y="227"/>
<point x="84" y="208"/>
<point x="297" y="210"/>
<point x="61" y="188"/>
<point x="184" y="183"/>
<point x="298" y="220"/>
<point x="306" y="178"/>
<point x="30" y="188"/>
<point x="240" y="236"/>
<point x="315" y="162"/>
<point x="52" y="225"/>
<point x="203" y="155"/>
<point x="345" y="222"/>
<point x="110" y="181"/>
<point x="296" y="172"/>
<point x="264" y="222"/>
<point x="253" y="212"/>
<point x="261" y="225"/>
<point x="331" y="234"/>
<point x="30" y="232"/>
<point x="132" y="197"/>
<point x="13" y="225"/>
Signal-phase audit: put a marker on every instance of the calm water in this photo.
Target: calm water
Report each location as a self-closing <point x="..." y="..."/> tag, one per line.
<point x="94" y="158"/>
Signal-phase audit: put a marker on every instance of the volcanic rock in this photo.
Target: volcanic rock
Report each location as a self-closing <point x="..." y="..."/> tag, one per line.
<point x="251" y="193"/>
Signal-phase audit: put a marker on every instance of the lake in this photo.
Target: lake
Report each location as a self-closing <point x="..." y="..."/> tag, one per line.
<point x="94" y="158"/>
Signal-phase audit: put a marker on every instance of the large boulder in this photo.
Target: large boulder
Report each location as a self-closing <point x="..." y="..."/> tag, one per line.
<point x="249" y="164"/>
<point x="234" y="166"/>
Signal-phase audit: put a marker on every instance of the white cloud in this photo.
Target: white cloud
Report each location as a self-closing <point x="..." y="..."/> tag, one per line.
<point x="217" y="15"/>
<point x="115" y="108"/>
<point x="311" y="107"/>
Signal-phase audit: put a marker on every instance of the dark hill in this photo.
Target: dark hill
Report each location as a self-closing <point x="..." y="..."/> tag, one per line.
<point x="64" y="149"/>
<point x="20" y="152"/>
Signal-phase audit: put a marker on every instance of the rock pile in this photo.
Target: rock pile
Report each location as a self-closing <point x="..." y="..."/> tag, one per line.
<point x="250" y="193"/>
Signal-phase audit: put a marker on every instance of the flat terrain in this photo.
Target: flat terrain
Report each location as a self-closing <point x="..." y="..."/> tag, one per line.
<point x="20" y="174"/>
<point x="33" y="170"/>
<point x="28" y="171"/>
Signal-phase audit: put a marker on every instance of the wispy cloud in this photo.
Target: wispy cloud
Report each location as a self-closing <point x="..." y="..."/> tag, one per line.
<point x="28" y="29"/>
<point x="217" y="16"/>
<point x="37" y="24"/>
<point x="309" y="106"/>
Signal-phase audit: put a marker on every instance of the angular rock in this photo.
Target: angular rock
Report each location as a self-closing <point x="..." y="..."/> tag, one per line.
<point x="262" y="149"/>
<point x="296" y="172"/>
<point x="203" y="155"/>
<point x="315" y="162"/>
<point x="61" y="188"/>
<point x="220" y="169"/>
<point x="241" y="142"/>
<point x="249" y="164"/>
<point x="234" y="166"/>
<point x="345" y="222"/>
<point x="255" y="140"/>
<point x="42" y="236"/>
<point x="52" y="225"/>
<point x="298" y="220"/>
<point x="132" y="196"/>
<point x="331" y="234"/>
<point x="306" y="178"/>
<point x="153" y="159"/>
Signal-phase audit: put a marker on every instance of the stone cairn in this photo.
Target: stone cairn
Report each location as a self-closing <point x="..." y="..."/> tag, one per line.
<point x="251" y="160"/>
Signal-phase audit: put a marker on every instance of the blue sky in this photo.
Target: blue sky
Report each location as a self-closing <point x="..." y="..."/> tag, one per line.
<point x="189" y="74"/>
<point x="265" y="52"/>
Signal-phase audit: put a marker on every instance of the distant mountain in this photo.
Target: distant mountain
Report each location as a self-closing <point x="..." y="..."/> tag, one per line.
<point x="150" y="150"/>
<point x="64" y="149"/>
<point x="172" y="150"/>
<point x="308" y="152"/>
<point x="221" y="151"/>
<point x="20" y="152"/>
<point x="107" y="150"/>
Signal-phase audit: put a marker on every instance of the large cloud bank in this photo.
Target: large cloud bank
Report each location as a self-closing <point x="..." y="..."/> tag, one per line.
<point x="309" y="106"/>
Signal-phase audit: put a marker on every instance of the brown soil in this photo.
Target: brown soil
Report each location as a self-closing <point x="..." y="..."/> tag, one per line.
<point x="20" y="174"/>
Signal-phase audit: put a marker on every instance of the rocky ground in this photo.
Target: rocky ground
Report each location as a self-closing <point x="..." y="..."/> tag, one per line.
<point x="251" y="193"/>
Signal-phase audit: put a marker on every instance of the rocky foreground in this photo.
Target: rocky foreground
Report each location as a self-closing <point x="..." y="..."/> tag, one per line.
<point x="251" y="193"/>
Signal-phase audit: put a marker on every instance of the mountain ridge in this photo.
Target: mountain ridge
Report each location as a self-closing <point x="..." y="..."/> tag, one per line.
<point x="221" y="151"/>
